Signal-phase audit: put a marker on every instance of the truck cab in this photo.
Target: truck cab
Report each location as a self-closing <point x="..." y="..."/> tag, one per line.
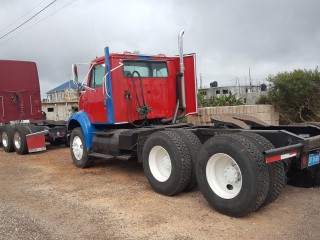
<point x="135" y="80"/>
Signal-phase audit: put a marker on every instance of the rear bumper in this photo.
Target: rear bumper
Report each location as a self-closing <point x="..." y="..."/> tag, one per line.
<point x="301" y="151"/>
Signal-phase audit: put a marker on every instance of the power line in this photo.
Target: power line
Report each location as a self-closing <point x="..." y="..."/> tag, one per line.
<point x="28" y="19"/>
<point x="40" y="20"/>
<point x="21" y="16"/>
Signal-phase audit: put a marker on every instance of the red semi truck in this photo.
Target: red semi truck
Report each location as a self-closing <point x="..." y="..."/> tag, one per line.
<point x="130" y="110"/>
<point x="22" y="128"/>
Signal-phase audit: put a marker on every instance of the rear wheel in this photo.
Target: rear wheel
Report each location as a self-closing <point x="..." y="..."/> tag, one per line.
<point x="277" y="176"/>
<point x="79" y="152"/>
<point x="7" y="138"/>
<point x="232" y="174"/>
<point x="20" y="140"/>
<point x="166" y="162"/>
<point x="193" y="143"/>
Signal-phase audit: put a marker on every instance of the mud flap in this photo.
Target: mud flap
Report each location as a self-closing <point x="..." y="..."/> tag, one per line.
<point x="36" y="141"/>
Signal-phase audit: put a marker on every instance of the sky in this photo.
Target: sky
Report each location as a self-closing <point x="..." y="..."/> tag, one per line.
<point x="228" y="36"/>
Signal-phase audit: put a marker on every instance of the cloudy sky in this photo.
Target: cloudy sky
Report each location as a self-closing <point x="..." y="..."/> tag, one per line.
<point x="229" y="37"/>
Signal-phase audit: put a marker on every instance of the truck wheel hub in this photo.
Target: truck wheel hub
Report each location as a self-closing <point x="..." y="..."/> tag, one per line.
<point x="160" y="163"/>
<point x="231" y="174"/>
<point x="17" y="140"/>
<point x="224" y="176"/>
<point x="77" y="147"/>
<point x="4" y="139"/>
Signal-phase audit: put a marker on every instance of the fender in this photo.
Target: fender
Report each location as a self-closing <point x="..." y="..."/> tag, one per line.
<point x="82" y="119"/>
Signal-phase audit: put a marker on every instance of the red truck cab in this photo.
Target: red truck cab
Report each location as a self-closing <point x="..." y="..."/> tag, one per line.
<point x="133" y="80"/>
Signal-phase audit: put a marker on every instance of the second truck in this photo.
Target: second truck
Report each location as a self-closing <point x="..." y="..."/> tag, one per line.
<point x="22" y="127"/>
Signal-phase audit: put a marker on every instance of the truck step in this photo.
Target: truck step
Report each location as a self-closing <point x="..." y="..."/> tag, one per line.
<point x="107" y="156"/>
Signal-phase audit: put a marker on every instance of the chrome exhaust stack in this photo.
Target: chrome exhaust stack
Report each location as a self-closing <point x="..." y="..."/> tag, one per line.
<point x="183" y="92"/>
<point x="181" y="100"/>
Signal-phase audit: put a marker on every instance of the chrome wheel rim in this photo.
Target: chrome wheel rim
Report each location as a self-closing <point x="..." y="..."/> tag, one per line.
<point x="5" y="139"/>
<point x="17" y="140"/>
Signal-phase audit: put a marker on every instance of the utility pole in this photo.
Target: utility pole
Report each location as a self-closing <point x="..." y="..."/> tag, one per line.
<point x="200" y="80"/>
<point x="250" y="82"/>
<point x="238" y="85"/>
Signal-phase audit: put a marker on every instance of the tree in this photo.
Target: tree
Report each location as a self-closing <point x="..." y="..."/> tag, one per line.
<point x="296" y="95"/>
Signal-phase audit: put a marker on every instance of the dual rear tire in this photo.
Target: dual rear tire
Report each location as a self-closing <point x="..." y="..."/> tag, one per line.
<point x="14" y="139"/>
<point x="232" y="174"/>
<point x="230" y="169"/>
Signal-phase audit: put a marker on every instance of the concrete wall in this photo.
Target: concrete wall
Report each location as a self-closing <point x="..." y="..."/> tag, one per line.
<point x="266" y="113"/>
<point x="58" y="110"/>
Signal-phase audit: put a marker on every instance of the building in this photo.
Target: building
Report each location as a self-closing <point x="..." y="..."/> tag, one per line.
<point x="67" y="92"/>
<point x="61" y="102"/>
<point x="248" y="93"/>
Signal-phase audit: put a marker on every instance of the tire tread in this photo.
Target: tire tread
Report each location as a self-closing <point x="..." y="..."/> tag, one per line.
<point x="277" y="176"/>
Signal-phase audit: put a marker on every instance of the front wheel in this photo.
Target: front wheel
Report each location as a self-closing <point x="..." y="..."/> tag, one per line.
<point x="79" y="152"/>
<point x="232" y="174"/>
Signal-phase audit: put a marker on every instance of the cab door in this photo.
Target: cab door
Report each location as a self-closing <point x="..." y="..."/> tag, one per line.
<point x="94" y="98"/>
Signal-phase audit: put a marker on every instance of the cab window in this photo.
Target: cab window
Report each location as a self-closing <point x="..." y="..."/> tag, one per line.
<point x="145" y="68"/>
<point x="97" y="75"/>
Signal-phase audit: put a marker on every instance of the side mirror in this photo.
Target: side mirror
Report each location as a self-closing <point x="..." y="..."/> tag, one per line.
<point x="75" y="74"/>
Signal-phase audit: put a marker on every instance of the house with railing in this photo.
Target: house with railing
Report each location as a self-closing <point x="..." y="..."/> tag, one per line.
<point x="61" y="102"/>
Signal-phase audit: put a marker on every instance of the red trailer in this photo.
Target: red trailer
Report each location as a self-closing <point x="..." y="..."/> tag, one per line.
<point x="22" y="128"/>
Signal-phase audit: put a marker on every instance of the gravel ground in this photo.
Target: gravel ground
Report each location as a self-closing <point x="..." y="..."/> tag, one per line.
<point x="44" y="196"/>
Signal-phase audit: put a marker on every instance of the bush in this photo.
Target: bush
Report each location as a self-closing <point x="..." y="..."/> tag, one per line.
<point x="225" y="100"/>
<point x="296" y="95"/>
<point x="263" y="99"/>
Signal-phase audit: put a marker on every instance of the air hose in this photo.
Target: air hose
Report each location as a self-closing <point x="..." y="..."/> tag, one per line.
<point x="143" y="109"/>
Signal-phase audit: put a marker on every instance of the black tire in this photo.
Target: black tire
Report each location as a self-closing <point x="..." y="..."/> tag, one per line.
<point x="78" y="143"/>
<point x="67" y="141"/>
<point x="173" y="147"/>
<point x="193" y="143"/>
<point x="317" y="178"/>
<point x="305" y="178"/>
<point x="0" y="136"/>
<point x="7" y="133"/>
<point x="20" y="139"/>
<point x="236" y="198"/>
<point x="277" y="175"/>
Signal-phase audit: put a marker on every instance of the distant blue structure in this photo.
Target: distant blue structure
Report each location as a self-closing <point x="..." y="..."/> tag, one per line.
<point x="64" y="86"/>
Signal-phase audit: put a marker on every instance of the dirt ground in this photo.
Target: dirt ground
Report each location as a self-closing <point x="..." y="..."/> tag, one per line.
<point x="44" y="196"/>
